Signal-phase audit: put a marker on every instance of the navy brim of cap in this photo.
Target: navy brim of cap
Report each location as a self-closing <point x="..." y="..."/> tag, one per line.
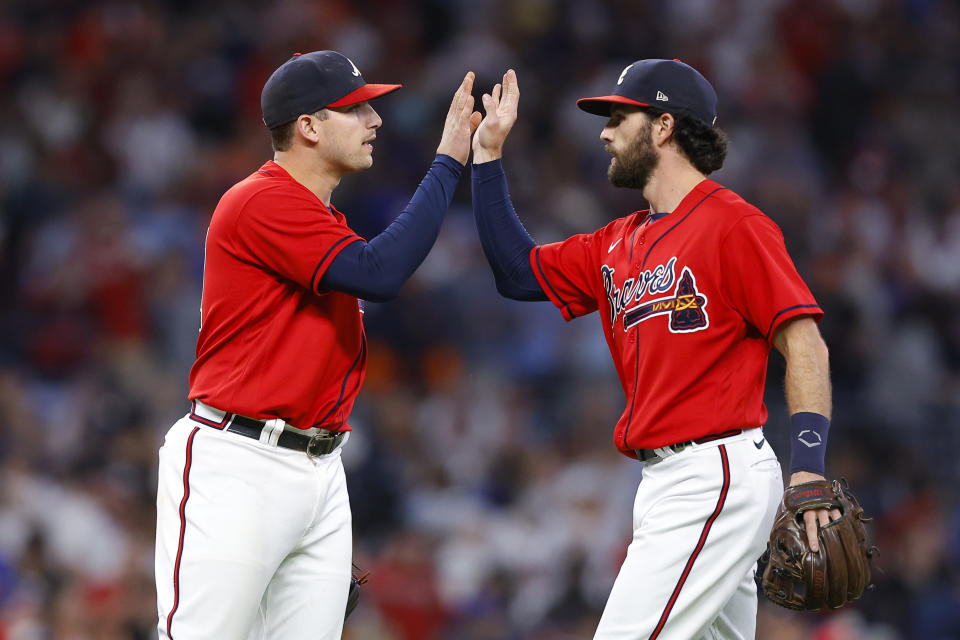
<point x="600" y="105"/>
<point x="364" y="93"/>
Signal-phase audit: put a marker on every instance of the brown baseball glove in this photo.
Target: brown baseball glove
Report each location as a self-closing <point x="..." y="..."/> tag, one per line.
<point x="798" y="578"/>
<point x="357" y="578"/>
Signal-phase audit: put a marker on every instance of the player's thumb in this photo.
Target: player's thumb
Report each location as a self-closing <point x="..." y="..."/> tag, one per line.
<point x="487" y="101"/>
<point x="475" y="119"/>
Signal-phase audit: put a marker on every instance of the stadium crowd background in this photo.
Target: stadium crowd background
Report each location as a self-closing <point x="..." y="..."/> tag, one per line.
<point x="488" y="500"/>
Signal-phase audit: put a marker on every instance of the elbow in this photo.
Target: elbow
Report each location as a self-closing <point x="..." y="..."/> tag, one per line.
<point x="507" y="288"/>
<point x="379" y="289"/>
<point x="822" y="351"/>
<point x="504" y="289"/>
<point x="382" y="294"/>
<point x="515" y="291"/>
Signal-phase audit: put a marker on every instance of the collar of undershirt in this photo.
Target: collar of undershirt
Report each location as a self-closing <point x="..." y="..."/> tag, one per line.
<point x="653" y="217"/>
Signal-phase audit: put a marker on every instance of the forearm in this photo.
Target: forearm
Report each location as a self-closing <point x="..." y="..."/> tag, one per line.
<point x="376" y="270"/>
<point x="807" y="382"/>
<point x="506" y="243"/>
<point x="807" y="387"/>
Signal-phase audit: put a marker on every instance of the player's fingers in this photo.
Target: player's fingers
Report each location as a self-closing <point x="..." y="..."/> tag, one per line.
<point x="810" y="524"/>
<point x="459" y="96"/>
<point x="475" y="119"/>
<point x="823" y="516"/>
<point x="835" y="514"/>
<point x="505" y="89"/>
<point x="467" y="108"/>
<point x="511" y="90"/>
<point x="485" y="99"/>
<point x="496" y="93"/>
<point x="466" y="87"/>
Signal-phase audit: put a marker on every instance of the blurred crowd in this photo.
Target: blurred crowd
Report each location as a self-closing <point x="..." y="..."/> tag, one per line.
<point x="488" y="499"/>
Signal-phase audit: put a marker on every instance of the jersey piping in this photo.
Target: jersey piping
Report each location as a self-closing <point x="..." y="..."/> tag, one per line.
<point x="183" y="530"/>
<point x="566" y="305"/>
<point x="313" y="279"/>
<point x="632" y="238"/>
<point x="636" y="358"/>
<point x="773" y="322"/>
<point x="676" y="224"/>
<point x="724" y="489"/>
<point x="346" y="378"/>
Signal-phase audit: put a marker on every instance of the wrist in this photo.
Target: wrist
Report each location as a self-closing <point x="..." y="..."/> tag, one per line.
<point x="483" y="154"/>
<point x="448" y="161"/>
<point x="801" y="477"/>
<point x="808" y="442"/>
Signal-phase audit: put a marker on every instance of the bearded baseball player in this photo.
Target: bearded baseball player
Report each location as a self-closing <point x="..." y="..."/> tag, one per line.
<point x="692" y="293"/>
<point x="253" y="517"/>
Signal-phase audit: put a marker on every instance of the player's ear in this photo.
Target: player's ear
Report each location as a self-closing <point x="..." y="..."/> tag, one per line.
<point x="308" y="127"/>
<point x="663" y="126"/>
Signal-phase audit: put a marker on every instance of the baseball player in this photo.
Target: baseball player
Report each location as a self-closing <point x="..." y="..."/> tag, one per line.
<point x="692" y="293"/>
<point x="253" y="518"/>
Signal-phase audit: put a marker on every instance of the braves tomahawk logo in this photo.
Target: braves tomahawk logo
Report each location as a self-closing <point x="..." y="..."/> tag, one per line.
<point x="686" y="306"/>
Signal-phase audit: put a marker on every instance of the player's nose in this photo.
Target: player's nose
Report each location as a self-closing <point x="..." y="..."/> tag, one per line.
<point x="374" y="118"/>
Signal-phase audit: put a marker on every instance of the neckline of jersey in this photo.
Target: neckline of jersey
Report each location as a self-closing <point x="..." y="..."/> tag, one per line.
<point x="283" y="173"/>
<point x="703" y="186"/>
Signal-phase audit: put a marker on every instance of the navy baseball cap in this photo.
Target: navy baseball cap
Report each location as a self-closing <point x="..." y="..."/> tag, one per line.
<point x="668" y="85"/>
<point x="309" y="82"/>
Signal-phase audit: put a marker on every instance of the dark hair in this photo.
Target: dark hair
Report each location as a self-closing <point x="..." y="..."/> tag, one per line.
<point x="282" y="137"/>
<point x="704" y="146"/>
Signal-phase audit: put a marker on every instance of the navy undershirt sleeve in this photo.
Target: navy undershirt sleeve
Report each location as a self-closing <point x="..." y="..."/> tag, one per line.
<point x="377" y="269"/>
<point x="505" y="242"/>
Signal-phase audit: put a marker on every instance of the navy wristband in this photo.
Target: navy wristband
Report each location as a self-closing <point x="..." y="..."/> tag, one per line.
<point x="808" y="444"/>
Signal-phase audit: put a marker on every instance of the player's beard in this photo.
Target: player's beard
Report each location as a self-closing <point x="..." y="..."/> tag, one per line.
<point x="634" y="166"/>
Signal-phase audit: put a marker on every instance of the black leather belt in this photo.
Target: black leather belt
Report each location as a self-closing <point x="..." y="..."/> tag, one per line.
<point x="649" y="455"/>
<point x="316" y="445"/>
<point x="319" y="444"/>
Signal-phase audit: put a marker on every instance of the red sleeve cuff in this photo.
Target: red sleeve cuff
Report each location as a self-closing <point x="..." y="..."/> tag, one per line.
<point x="812" y="310"/>
<point x="548" y="289"/>
<point x="328" y="257"/>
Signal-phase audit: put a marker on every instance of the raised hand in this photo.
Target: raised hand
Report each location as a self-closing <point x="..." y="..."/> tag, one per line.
<point x="461" y="122"/>
<point x="500" y="106"/>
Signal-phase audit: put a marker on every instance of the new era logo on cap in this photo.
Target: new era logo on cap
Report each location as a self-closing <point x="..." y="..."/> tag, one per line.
<point x="312" y="81"/>
<point x="670" y="85"/>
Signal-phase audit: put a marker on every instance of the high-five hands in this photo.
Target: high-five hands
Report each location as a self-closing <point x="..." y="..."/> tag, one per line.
<point x="461" y="122"/>
<point x="501" y="113"/>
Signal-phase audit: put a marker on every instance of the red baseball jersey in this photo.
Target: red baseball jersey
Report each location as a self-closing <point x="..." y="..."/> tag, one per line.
<point x="273" y="344"/>
<point x="689" y="304"/>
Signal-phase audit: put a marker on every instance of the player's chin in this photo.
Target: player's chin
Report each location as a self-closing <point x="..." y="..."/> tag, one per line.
<point x="361" y="163"/>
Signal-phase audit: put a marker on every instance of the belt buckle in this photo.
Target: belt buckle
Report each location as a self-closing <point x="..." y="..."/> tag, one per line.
<point x="321" y="443"/>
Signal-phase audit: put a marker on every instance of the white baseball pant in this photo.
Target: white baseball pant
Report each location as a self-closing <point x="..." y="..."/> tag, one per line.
<point x="253" y="541"/>
<point x="701" y="520"/>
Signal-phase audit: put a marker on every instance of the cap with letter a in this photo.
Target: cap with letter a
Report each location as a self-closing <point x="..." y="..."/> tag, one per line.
<point x="312" y="81"/>
<point x="668" y="85"/>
